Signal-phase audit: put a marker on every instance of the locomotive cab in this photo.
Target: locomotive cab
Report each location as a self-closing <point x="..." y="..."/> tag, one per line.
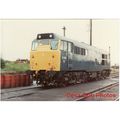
<point x="45" y="54"/>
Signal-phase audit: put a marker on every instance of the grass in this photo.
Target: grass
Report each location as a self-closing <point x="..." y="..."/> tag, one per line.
<point x="15" y="67"/>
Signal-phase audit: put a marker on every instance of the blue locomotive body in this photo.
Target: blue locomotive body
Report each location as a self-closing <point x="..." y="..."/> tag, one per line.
<point x="57" y="60"/>
<point x="79" y="56"/>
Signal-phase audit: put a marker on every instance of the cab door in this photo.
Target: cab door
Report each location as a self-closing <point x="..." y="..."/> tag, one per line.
<point x="64" y="58"/>
<point x="66" y="55"/>
<point x="69" y="55"/>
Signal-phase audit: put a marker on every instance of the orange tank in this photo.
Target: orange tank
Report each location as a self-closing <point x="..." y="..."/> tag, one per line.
<point x="17" y="79"/>
<point x="13" y="81"/>
<point x="27" y="80"/>
<point x="7" y="80"/>
<point x="2" y="81"/>
<point x="22" y="80"/>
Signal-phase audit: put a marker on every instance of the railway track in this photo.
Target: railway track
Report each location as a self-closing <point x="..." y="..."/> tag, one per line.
<point x="99" y="90"/>
<point x="18" y="89"/>
<point x="19" y="92"/>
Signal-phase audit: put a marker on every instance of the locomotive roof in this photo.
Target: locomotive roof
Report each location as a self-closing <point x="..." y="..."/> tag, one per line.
<point x="82" y="44"/>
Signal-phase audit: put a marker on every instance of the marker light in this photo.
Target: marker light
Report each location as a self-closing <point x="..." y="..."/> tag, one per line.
<point x="50" y="36"/>
<point x="39" y="36"/>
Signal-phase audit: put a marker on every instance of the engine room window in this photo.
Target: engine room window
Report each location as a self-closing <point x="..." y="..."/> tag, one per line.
<point x="82" y="51"/>
<point x="75" y="49"/>
<point x="54" y="44"/>
<point x="104" y="62"/>
<point x="104" y="56"/>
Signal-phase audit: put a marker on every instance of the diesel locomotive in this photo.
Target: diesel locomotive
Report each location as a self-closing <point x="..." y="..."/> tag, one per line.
<point x="59" y="61"/>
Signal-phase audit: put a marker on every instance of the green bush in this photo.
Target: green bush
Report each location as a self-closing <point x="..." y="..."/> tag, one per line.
<point x="16" y="67"/>
<point x="2" y="63"/>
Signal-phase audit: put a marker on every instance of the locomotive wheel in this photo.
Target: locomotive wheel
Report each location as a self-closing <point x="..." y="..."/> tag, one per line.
<point x="63" y="83"/>
<point x="78" y="79"/>
<point x="63" y="79"/>
<point x="84" y="77"/>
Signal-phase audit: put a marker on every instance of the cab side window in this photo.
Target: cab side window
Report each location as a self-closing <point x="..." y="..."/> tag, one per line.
<point x="66" y="46"/>
<point x="70" y="49"/>
<point x="63" y="45"/>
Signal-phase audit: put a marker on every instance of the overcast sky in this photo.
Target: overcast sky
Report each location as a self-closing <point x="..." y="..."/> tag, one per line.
<point x="17" y="35"/>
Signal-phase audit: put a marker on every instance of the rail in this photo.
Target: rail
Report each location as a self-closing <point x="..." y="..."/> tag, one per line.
<point x="98" y="90"/>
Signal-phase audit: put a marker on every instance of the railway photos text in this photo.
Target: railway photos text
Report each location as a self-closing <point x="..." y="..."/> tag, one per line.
<point x="79" y="95"/>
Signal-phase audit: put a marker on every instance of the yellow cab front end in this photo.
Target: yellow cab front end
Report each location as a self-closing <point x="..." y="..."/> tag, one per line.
<point x="45" y="53"/>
